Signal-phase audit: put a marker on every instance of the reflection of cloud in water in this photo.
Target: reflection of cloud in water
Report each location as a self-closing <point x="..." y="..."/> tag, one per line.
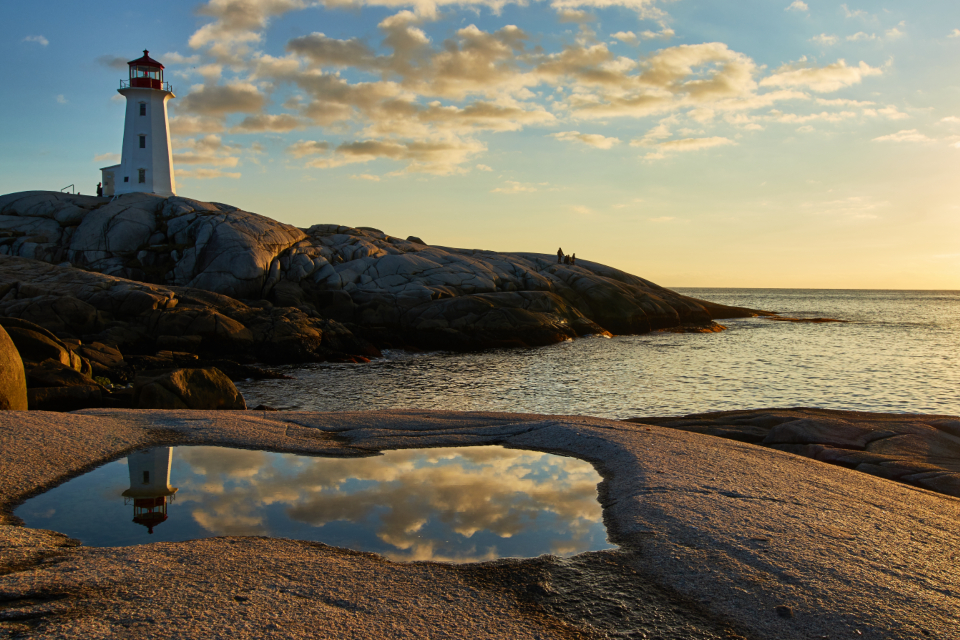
<point x="402" y="495"/>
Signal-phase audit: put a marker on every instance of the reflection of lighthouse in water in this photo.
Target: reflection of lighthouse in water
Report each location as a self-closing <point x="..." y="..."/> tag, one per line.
<point x="150" y="485"/>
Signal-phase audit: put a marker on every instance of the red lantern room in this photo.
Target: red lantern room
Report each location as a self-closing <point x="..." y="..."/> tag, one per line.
<point x="146" y="72"/>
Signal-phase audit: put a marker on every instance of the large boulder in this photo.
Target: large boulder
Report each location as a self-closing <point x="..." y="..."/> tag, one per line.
<point x="70" y="398"/>
<point x="37" y="344"/>
<point x="13" y="383"/>
<point x="199" y="389"/>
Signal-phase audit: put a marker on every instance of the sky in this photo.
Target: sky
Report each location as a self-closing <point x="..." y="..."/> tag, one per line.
<point x="803" y="144"/>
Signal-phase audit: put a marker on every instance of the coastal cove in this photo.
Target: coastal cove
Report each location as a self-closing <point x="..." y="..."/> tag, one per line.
<point x="895" y="352"/>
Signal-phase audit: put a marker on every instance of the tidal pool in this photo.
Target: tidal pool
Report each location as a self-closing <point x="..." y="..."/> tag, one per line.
<point x="461" y="504"/>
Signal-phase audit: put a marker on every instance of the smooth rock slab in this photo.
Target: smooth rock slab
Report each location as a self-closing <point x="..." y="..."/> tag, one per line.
<point x="734" y="531"/>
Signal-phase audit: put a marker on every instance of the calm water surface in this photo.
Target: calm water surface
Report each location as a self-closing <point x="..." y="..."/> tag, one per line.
<point x="897" y="352"/>
<point x="455" y="504"/>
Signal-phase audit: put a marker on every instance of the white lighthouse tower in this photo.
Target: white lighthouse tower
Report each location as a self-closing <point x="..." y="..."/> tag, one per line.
<point x="146" y="162"/>
<point x="150" y="485"/>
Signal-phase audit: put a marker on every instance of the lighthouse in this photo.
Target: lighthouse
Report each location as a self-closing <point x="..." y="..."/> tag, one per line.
<point x="150" y="485"/>
<point x="146" y="161"/>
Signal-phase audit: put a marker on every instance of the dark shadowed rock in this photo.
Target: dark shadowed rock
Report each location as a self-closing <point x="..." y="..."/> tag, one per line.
<point x="13" y="384"/>
<point x="65" y="398"/>
<point x="202" y="389"/>
<point x="53" y="373"/>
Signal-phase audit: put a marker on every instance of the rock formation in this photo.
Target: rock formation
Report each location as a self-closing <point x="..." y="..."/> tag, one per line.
<point x="920" y="450"/>
<point x="391" y="291"/>
<point x="199" y="389"/>
<point x="13" y="383"/>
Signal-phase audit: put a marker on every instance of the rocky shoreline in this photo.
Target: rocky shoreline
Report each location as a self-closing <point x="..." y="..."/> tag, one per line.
<point x="717" y="539"/>
<point x="148" y="273"/>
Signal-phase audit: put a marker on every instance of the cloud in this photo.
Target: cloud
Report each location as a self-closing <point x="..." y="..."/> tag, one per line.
<point x="590" y="139"/>
<point x="858" y="13"/>
<point x="303" y="148"/>
<point x="625" y="36"/>
<point x="860" y="36"/>
<point x="219" y="100"/>
<point x="440" y="157"/>
<point x="113" y="62"/>
<point x="582" y="210"/>
<point x="825" y="40"/>
<point x="483" y="167"/>
<point x="797" y="5"/>
<point x="685" y="145"/>
<point x="820" y="79"/>
<point x="107" y="158"/>
<point x="206" y="174"/>
<point x="186" y="125"/>
<point x="513" y="186"/>
<point x="38" y="39"/>
<point x="324" y="51"/>
<point x="906" y="135"/>
<point x="366" y="176"/>
<point x="950" y="120"/>
<point x="209" y="149"/>
<point x="954" y="34"/>
<point x="60" y="99"/>
<point x="263" y="122"/>
<point x="175" y="58"/>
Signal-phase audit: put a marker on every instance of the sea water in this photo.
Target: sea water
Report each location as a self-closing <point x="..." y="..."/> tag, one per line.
<point x="895" y="352"/>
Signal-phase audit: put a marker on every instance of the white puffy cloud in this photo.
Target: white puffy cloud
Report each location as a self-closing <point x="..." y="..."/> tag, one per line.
<point x="825" y="40"/>
<point x="424" y="103"/>
<point x="61" y="99"/>
<point x="483" y="167"/>
<point x="107" y="158"/>
<point x="589" y="139"/>
<point x="906" y="135"/>
<point x="797" y="5"/>
<point x="954" y="34"/>
<point x="38" y="39"/>
<point x="366" y="176"/>
<point x="820" y="79"/>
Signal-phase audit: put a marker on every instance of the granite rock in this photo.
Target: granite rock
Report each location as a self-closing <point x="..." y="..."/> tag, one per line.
<point x="397" y="291"/>
<point x="921" y="450"/>
<point x="13" y="383"/>
<point x="198" y="389"/>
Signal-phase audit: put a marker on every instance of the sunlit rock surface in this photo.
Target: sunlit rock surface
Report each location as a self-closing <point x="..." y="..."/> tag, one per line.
<point x="718" y="539"/>
<point x="400" y="292"/>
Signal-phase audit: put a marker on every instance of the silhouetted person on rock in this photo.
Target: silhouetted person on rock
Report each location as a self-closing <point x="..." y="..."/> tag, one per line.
<point x="573" y="259"/>
<point x="99" y="190"/>
<point x="560" y="255"/>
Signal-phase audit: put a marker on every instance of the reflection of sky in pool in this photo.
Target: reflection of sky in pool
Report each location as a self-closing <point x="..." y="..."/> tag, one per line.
<point x="456" y="504"/>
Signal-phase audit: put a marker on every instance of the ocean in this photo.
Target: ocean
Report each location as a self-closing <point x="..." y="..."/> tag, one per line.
<point x="896" y="352"/>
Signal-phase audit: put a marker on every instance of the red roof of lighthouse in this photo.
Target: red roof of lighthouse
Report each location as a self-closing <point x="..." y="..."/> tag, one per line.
<point x="145" y="61"/>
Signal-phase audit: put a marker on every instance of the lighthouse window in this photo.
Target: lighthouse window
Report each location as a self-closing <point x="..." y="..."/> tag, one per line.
<point x="143" y="176"/>
<point x="146" y="477"/>
<point x="126" y="178"/>
<point x="143" y="142"/>
<point x="143" y="108"/>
